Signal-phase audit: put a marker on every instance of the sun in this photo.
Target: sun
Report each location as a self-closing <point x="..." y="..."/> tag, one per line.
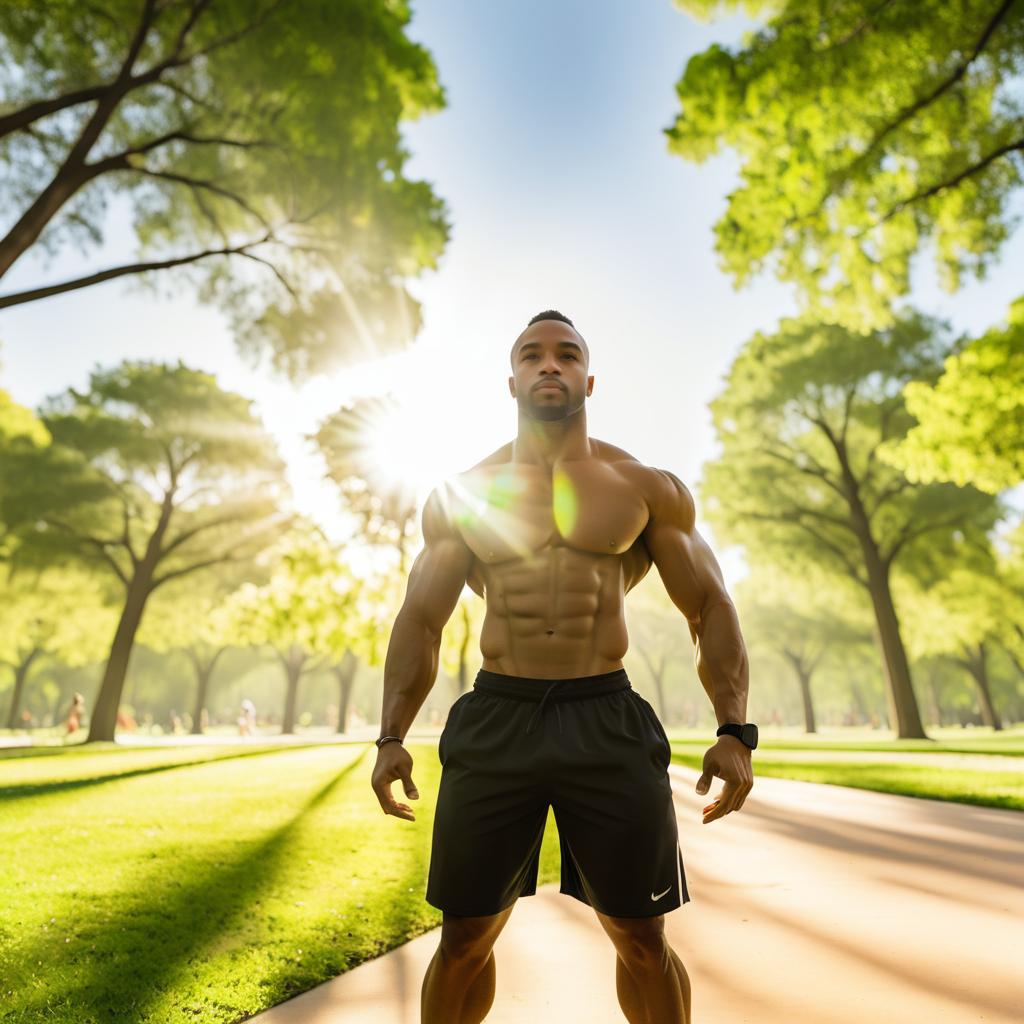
<point x="407" y="453"/>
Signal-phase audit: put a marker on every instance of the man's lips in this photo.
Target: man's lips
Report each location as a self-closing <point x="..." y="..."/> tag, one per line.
<point x="548" y="384"/>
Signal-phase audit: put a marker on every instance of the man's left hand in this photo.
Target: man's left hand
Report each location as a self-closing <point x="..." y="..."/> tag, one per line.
<point x="729" y="759"/>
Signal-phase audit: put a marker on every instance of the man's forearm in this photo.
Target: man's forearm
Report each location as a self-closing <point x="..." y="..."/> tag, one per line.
<point x="721" y="659"/>
<point x="410" y="668"/>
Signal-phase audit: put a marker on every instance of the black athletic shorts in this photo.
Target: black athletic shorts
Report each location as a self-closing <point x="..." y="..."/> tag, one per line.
<point x="590" y="747"/>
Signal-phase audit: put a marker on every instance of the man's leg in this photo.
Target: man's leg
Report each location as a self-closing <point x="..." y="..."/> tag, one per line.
<point x="458" y="987"/>
<point x="652" y="984"/>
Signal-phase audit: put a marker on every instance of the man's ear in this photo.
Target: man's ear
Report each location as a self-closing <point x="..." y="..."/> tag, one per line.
<point x="590" y="385"/>
<point x="512" y="386"/>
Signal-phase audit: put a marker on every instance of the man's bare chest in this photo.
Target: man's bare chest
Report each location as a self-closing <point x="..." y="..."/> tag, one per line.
<point x="516" y="511"/>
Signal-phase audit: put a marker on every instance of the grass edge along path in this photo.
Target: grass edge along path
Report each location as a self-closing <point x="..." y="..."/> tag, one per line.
<point x="981" y="788"/>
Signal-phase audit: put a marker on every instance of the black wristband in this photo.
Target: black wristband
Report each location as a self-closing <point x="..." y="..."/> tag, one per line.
<point x="384" y="739"/>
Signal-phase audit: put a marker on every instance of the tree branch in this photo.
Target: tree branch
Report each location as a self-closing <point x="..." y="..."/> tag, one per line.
<point x="200" y="183"/>
<point x="98" y="543"/>
<point x="943" y="185"/>
<point x="910" y="534"/>
<point x="19" y="298"/>
<point x="959" y="70"/>
<point x="173" y="574"/>
<point x="18" y="120"/>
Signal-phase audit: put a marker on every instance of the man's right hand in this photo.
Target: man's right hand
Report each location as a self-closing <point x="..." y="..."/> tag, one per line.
<point x="394" y="762"/>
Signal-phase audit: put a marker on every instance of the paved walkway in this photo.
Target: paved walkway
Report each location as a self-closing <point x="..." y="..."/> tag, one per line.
<point x="814" y="904"/>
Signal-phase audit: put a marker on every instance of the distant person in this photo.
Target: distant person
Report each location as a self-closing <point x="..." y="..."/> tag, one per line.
<point x="175" y="720"/>
<point x="75" y="713"/>
<point x="26" y="719"/>
<point x="247" y="719"/>
<point x="126" y="721"/>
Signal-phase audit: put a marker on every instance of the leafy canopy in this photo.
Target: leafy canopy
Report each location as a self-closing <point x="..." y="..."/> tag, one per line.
<point x="863" y="129"/>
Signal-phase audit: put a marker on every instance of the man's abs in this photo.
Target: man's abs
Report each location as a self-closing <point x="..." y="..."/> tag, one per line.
<point x="558" y="616"/>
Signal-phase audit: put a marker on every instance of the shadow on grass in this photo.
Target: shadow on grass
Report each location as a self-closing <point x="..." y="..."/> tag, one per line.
<point x="175" y="922"/>
<point x="33" y="789"/>
<point x="405" y="915"/>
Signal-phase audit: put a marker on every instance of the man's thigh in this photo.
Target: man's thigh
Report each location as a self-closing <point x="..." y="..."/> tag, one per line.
<point x="465" y="937"/>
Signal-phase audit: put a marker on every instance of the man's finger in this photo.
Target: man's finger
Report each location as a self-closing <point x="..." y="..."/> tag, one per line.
<point x="704" y="782"/>
<point x="410" y="787"/>
<point x="388" y="803"/>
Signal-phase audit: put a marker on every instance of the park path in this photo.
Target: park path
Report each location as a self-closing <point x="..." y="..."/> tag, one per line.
<point x="814" y="904"/>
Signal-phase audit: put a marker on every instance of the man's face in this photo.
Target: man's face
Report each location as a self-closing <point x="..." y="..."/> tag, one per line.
<point x="549" y="371"/>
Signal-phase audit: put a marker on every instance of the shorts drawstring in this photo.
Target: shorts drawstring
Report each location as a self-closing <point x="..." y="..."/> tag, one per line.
<point x="540" y="709"/>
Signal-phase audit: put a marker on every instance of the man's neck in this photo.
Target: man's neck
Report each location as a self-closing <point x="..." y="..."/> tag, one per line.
<point x="543" y="443"/>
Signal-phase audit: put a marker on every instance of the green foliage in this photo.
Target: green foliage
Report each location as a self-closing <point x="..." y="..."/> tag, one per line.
<point x="971" y="423"/>
<point x="60" y="613"/>
<point x="864" y="129"/>
<point x="19" y="423"/>
<point x="312" y="603"/>
<point x="259" y="145"/>
<point x="154" y="465"/>
<point x="799" y="482"/>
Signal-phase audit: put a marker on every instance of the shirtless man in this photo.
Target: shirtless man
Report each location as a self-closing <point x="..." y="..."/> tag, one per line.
<point x="553" y="530"/>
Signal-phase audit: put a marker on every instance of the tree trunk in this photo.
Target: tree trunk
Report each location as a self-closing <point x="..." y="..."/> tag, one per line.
<point x="977" y="664"/>
<point x="346" y="675"/>
<point x="858" y="702"/>
<point x="204" y="670"/>
<point x="903" y="709"/>
<point x="294" y="663"/>
<point x="803" y="675"/>
<point x="20" y="675"/>
<point x="103" y="719"/>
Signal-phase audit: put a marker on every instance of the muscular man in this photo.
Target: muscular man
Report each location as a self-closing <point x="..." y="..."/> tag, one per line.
<point x="553" y="530"/>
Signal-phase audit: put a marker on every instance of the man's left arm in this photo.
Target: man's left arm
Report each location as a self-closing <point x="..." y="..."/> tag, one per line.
<point x="694" y="582"/>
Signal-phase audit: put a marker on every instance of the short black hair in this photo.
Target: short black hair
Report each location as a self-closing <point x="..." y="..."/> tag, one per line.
<point x="554" y="314"/>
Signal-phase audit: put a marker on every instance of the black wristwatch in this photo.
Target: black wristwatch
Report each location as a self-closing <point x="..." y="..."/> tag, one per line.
<point x="745" y="733"/>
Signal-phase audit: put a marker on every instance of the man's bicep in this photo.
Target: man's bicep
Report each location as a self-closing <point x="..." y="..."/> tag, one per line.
<point x="440" y="570"/>
<point x="687" y="565"/>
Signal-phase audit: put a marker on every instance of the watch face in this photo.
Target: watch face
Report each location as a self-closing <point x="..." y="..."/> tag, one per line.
<point x="748" y="734"/>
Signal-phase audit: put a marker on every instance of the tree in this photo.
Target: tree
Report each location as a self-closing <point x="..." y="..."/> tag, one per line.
<point x="659" y="636"/>
<point x="258" y="144"/>
<point x="155" y="473"/>
<point x="959" y="616"/>
<point x="55" y="613"/>
<point x="385" y="506"/>
<point x="970" y="425"/>
<point x="20" y="430"/>
<point x="864" y="129"/>
<point x="799" y="482"/>
<point x="792" y="617"/>
<point x="310" y="610"/>
<point x="199" y="624"/>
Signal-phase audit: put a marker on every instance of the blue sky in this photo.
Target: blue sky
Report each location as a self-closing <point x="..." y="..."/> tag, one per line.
<point x="562" y="194"/>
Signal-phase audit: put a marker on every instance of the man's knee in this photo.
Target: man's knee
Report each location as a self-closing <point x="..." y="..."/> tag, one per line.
<point x="470" y="939"/>
<point x="639" y="941"/>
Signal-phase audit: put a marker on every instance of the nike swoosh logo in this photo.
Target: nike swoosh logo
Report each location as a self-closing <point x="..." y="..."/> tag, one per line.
<point x="660" y="894"/>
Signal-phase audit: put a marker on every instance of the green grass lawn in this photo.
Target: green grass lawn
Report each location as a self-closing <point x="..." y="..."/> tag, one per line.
<point x="184" y="885"/>
<point x="963" y="785"/>
<point x="168" y="884"/>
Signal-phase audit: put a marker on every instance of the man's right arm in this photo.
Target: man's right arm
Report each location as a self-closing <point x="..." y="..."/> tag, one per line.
<point x="436" y="580"/>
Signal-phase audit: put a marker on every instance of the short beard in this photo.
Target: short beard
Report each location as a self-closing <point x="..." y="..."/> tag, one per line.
<point x="545" y="412"/>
